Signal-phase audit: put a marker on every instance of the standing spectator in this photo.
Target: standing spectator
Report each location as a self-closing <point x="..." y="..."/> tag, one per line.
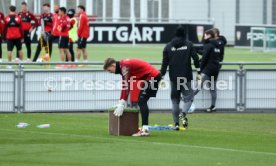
<point x="83" y="33"/>
<point x="210" y="66"/>
<point x="2" y="23"/>
<point x="13" y="33"/>
<point x="177" y="55"/>
<point x="47" y="18"/>
<point x="221" y="42"/>
<point x="55" y="31"/>
<point x="73" y="36"/>
<point x="63" y="26"/>
<point x="29" y="23"/>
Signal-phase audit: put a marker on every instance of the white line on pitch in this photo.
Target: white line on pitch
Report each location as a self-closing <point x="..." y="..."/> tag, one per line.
<point x="155" y="143"/>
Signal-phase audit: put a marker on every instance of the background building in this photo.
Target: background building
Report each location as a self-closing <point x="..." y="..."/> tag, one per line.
<point x="224" y="13"/>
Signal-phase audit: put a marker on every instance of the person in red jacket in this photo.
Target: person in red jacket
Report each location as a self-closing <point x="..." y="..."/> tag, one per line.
<point x="63" y="26"/>
<point x="47" y="18"/>
<point x="83" y="33"/>
<point x="13" y="33"/>
<point x="2" y="23"/>
<point x="133" y="70"/>
<point x="55" y="32"/>
<point x="29" y="23"/>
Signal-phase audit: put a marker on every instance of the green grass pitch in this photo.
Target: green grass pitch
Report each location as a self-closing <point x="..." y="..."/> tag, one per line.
<point x="153" y="53"/>
<point x="220" y="139"/>
<point x="82" y="139"/>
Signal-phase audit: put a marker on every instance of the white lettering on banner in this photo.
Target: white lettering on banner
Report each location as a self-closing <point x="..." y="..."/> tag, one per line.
<point x="158" y="31"/>
<point x="109" y="30"/>
<point x="123" y="34"/>
<point x="91" y="37"/>
<point x="135" y="35"/>
<point x="147" y="34"/>
<point x="260" y="36"/>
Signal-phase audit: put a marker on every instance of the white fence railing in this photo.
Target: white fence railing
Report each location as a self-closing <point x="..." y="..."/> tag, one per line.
<point x="66" y="90"/>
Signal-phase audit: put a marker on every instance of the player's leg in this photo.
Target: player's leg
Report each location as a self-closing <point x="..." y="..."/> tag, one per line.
<point x="18" y="45"/>
<point x="61" y="50"/>
<point x="188" y="97"/>
<point x="65" y="46"/>
<point x="72" y="52"/>
<point x="17" y="55"/>
<point x="61" y="54"/>
<point x="175" y="99"/>
<point x="27" y="40"/>
<point x="143" y="104"/>
<point x="213" y="92"/>
<point x="50" y="44"/>
<point x="85" y="55"/>
<point x="204" y="78"/>
<point x="84" y="52"/>
<point x="68" y="55"/>
<point x="79" y="51"/>
<point x="10" y="46"/>
<point x="38" y="49"/>
<point x="145" y="94"/>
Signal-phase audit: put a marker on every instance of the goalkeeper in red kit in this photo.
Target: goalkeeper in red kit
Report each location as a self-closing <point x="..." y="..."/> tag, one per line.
<point x="133" y="70"/>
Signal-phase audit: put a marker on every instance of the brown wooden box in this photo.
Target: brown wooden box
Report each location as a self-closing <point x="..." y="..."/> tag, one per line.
<point x="126" y="125"/>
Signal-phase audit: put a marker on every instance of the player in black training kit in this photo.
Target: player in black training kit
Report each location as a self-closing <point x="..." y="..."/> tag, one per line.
<point x="210" y="66"/>
<point x="177" y="55"/>
<point x="221" y="42"/>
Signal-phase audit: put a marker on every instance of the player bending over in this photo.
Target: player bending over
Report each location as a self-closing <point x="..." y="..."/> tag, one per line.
<point x="135" y="70"/>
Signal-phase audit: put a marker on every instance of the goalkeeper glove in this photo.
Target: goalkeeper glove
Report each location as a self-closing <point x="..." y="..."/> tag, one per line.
<point x="119" y="108"/>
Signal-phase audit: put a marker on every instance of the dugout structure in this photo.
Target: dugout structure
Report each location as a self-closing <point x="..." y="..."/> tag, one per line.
<point x="262" y="39"/>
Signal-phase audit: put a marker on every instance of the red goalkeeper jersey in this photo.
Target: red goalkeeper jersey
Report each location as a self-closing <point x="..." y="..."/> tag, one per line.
<point x="135" y="69"/>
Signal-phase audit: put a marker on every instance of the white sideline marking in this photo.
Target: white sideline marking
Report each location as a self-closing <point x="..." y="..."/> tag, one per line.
<point x="155" y="143"/>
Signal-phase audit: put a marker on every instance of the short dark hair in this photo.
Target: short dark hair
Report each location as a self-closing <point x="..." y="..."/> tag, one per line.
<point x="81" y="7"/>
<point x="63" y="9"/>
<point x="216" y="31"/>
<point x="180" y="31"/>
<point x="108" y="62"/>
<point x="24" y="3"/>
<point x="12" y="8"/>
<point x="46" y="4"/>
<point x="210" y="32"/>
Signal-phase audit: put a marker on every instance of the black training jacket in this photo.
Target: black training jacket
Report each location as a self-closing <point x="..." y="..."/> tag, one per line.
<point x="210" y="58"/>
<point x="178" y="55"/>
<point x="221" y="44"/>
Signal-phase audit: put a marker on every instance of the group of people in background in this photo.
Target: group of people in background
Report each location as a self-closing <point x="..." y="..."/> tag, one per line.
<point x="61" y="26"/>
<point x="177" y="55"/>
